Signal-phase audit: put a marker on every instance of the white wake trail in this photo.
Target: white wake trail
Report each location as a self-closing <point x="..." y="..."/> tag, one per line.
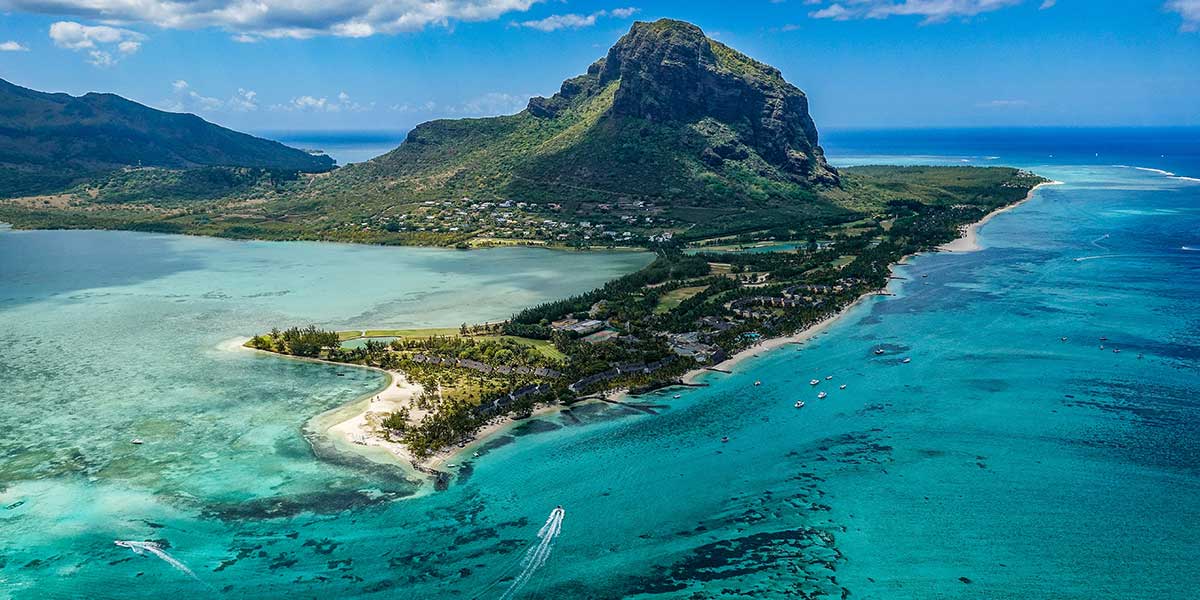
<point x="141" y="548"/>
<point x="538" y="554"/>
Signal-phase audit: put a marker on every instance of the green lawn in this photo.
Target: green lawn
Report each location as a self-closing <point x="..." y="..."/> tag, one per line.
<point x="675" y="297"/>
<point x="544" y="346"/>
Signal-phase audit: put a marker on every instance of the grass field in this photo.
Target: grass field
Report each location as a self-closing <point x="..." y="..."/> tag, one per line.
<point x="544" y="346"/>
<point x="675" y="297"/>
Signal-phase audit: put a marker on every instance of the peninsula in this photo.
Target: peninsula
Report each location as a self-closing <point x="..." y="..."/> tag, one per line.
<point x="672" y="142"/>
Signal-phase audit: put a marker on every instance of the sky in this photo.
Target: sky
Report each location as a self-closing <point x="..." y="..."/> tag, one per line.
<point x="310" y="65"/>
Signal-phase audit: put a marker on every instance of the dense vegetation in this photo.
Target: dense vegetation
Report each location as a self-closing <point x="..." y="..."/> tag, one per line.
<point x="647" y="328"/>
<point x="630" y="147"/>
<point x="49" y="142"/>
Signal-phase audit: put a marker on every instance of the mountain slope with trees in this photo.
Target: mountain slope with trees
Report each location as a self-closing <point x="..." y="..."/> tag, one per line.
<point x="49" y="141"/>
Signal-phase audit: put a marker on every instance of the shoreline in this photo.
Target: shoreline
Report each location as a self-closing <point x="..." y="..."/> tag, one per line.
<point x="353" y="427"/>
<point x="767" y="345"/>
<point x="968" y="241"/>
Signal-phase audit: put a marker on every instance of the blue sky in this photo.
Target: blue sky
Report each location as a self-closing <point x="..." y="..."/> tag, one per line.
<point x="389" y="64"/>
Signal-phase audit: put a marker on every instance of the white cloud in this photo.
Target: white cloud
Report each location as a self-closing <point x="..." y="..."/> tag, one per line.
<point x="1189" y="10"/>
<point x="556" y="22"/>
<point x="250" y="20"/>
<point x="836" y="12"/>
<point x="99" y="41"/>
<point x="186" y="99"/>
<point x="933" y="11"/>
<point x="11" y="46"/>
<point x="1047" y="4"/>
<point x="101" y="58"/>
<point x="244" y="100"/>
<point x="576" y="21"/>
<point x="306" y="103"/>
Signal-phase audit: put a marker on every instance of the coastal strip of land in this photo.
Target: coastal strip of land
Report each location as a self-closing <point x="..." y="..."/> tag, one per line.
<point x="360" y="430"/>
<point x="969" y="240"/>
<point x="694" y="309"/>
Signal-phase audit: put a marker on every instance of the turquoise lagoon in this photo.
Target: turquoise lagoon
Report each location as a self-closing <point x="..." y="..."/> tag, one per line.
<point x="1002" y="462"/>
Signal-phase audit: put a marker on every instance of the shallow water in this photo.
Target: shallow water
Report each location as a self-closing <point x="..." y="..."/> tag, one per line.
<point x="1000" y="463"/>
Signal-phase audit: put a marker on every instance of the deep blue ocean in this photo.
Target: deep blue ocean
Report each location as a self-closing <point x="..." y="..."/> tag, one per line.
<point x="1041" y="444"/>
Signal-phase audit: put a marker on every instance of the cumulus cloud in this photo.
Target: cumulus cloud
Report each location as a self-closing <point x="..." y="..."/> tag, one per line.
<point x="933" y="11"/>
<point x="576" y="21"/>
<point x="249" y="20"/>
<point x="103" y="44"/>
<point x="340" y="103"/>
<point x="1189" y="10"/>
<point x="186" y="99"/>
<point x="11" y="46"/>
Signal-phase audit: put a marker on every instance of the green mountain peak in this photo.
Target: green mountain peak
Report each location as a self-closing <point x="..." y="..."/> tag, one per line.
<point x="668" y="115"/>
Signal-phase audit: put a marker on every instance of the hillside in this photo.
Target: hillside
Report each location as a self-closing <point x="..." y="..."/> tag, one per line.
<point x="48" y="141"/>
<point x="669" y="138"/>
<point x="668" y="116"/>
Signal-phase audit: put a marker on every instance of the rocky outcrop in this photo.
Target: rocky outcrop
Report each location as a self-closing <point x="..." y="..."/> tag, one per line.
<point x="669" y="71"/>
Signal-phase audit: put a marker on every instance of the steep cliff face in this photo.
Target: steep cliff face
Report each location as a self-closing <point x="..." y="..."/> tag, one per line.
<point x="667" y="117"/>
<point x="670" y="72"/>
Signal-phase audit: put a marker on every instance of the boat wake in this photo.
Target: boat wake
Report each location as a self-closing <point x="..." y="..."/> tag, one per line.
<point x="141" y="548"/>
<point x="535" y="556"/>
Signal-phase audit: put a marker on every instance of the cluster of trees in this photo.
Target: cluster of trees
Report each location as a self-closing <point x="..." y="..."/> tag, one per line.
<point x="532" y="322"/>
<point x="857" y="259"/>
<point x="491" y="351"/>
<point x="308" y="341"/>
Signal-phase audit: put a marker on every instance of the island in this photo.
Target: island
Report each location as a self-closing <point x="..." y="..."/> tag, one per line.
<point x="691" y="309"/>
<point x="672" y="143"/>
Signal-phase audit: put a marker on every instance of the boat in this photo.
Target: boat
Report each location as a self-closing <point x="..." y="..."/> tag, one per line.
<point x="878" y="351"/>
<point x="842" y="387"/>
<point x="757" y="383"/>
<point x="814" y="382"/>
<point x="906" y="360"/>
<point x="799" y="404"/>
<point x="1116" y="350"/>
<point x="475" y="454"/>
<point x="1103" y="339"/>
<point x="676" y="396"/>
<point x="136" y="441"/>
<point x="1063" y="338"/>
<point x="828" y="377"/>
<point x="1140" y="356"/>
<point x="821" y="395"/>
<point x="1101" y="346"/>
<point x="724" y="439"/>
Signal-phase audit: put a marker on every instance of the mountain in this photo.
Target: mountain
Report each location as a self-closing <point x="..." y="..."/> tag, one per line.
<point x="48" y="140"/>
<point x="670" y="139"/>
<point x="667" y="116"/>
